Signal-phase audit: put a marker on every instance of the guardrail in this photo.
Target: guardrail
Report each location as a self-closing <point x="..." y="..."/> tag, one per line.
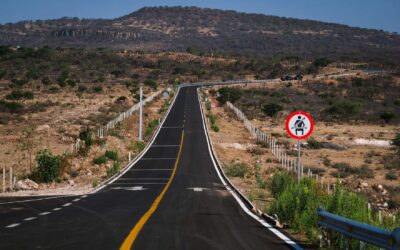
<point x="366" y="233"/>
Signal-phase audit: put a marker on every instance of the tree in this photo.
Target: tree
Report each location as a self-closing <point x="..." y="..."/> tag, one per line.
<point x="48" y="167"/>
<point x="270" y="109"/>
<point x="229" y="94"/>
<point x="26" y="143"/>
<point x="387" y="116"/>
<point x="151" y="83"/>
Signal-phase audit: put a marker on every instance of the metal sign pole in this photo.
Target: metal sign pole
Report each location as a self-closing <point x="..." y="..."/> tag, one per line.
<point x="298" y="161"/>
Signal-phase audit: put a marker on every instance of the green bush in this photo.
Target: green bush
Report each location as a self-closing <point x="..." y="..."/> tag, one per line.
<point x="114" y="170"/>
<point x="137" y="146"/>
<point x="19" y="95"/>
<point x="229" y="94"/>
<point x="97" y="89"/>
<point x="150" y="127"/>
<point x="112" y="155"/>
<point x="151" y="83"/>
<point x="270" y="109"/>
<point x="313" y="144"/>
<point x="391" y="175"/>
<point x="396" y="141"/>
<point x="343" y="108"/>
<point x="100" y="160"/>
<point x="48" y="167"/>
<point x="215" y="127"/>
<point x="237" y="170"/>
<point x="11" y="107"/>
<point x="387" y="116"/>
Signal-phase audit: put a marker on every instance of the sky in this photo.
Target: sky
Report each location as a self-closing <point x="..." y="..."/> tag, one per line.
<point x="376" y="14"/>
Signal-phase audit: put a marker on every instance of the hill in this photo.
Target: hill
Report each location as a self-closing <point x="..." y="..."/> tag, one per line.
<point x="206" y="30"/>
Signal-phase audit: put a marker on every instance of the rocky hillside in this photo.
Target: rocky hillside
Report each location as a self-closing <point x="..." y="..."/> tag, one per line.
<point x="177" y="28"/>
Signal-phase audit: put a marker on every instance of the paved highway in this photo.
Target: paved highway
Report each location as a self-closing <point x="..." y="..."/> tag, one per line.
<point x="172" y="198"/>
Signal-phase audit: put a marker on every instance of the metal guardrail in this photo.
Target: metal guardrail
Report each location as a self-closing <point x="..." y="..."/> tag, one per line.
<point x="369" y="234"/>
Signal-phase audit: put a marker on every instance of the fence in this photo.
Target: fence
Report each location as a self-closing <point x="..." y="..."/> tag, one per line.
<point x="103" y="130"/>
<point x="11" y="180"/>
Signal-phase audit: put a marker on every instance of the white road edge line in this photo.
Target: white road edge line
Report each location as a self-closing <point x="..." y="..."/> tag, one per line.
<point x="75" y="200"/>
<point x="45" y="213"/>
<point x="283" y="237"/>
<point x="13" y="225"/>
<point x="39" y="199"/>
<point x="67" y="204"/>
<point x="29" y="218"/>
<point x="131" y="164"/>
<point x="57" y="208"/>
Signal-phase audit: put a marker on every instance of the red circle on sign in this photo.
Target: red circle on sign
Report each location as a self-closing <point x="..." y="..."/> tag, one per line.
<point x="308" y="116"/>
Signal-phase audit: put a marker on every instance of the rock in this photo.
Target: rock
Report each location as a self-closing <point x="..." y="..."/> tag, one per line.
<point x="329" y="145"/>
<point x="364" y="185"/>
<point x="71" y="182"/>
<point x="26" y="184"/>
<point x="44" y="127"/>
<point x="380" y="187"/>
<point x="384" y="192"/>
<point x="385" y="205"/>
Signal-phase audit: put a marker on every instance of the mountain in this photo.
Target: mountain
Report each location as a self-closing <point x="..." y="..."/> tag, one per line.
<point x="177" y="28"/>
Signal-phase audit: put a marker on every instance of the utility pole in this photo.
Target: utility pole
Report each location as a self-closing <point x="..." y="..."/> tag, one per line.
<point x="140" y="113"/>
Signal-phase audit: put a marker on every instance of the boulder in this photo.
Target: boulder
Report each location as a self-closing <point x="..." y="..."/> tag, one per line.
<point x="26" y="184"/>
<point x="71" y="182"/>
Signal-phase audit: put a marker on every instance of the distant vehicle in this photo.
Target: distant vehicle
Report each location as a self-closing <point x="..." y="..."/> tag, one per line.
<point x="289" y="78"/>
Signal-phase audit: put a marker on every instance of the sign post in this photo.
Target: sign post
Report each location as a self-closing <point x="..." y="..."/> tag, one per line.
<point x="299" y="126"/>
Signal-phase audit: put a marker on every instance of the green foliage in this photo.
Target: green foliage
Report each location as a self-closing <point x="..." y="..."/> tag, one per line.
<point x="112" y="155"/>
<point x="343" y="108"/>
<point x="396" y="141"/>
<point x="19" y="82"/>
<point x="19" y="95"/>
<point x="151" y="83"/>
<point x="11" y="107"/>
<point x="86" y="136"/>
<point x="100" y="160"/>
<point x="45" y="80"/>
<point x="260" y="182"/>
<point x="270" y="109"/>
<point x="48" y="166"/>
<point x="97" y="89"/>
<point x="344" y="170"/>
<point x="150" y="127"/>
<point x="295" y="203"/>
<point x="81" y="88"/>
<point x="229" y="94"/>
<point x="237" y="170"/>
<point x="137" y="146"/>
<point x="113" y="170"/>
<point x="2" y="73"/>
<point x="387" y="116"/>
<point x="213" y="122"/>
<point x="313" y="144"/>
<point x="215" y="127"/>
<point x="391" y="175"/>
<point x="321" y="62"/>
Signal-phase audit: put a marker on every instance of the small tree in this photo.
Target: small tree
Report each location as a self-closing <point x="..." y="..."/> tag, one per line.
<point x="387" y="116"/>
<point x="270" y="109"/>
<point x="26" y="143"/>
<point x="48" y="168"/>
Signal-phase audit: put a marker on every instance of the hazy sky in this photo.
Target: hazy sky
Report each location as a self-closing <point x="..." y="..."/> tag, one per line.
<point x="378" y="14"/>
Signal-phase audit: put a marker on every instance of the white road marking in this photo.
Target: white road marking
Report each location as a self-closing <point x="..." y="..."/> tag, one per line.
<point x="137" y="188"/>
<point x="283" y="237"/>
<point x="198" y="189"/>
<point x="57" y="208"/>
<point x="161" y="146"/>
<point x="143" y="179"/>
<point x="153" y="169"/>
<point x="75" y="200"/>
<point x="84" y="196"/>
<point x="156" y="159"/>
<point x="39" y="199"/>
<point x="13" y="225"/>
<point x="133" y="183"/>
<point x="172" y="127"/>
<point x="67" y="204"/>
<point x="29" y="218"/>
<point x="45" y="213"/>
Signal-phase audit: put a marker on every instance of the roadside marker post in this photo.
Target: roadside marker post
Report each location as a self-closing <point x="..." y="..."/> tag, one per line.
<point x="299" y="126"/>
<point x="140" y="113"/>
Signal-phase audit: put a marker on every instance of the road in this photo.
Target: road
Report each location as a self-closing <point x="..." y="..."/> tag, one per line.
<point x="172" y="198"/>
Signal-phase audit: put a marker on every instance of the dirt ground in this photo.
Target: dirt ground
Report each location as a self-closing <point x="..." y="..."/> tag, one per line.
<point x="57" y="129"/>
<point x="367" y="145"/>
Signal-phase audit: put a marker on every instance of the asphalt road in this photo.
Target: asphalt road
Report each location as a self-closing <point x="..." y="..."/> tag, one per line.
<point x="172" y="198"/>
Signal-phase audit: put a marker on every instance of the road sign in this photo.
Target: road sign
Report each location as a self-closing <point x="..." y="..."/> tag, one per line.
<point x="299" y="125"/>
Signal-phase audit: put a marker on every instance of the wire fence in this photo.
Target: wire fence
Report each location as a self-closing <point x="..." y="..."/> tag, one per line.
<point x="287" y="162"/>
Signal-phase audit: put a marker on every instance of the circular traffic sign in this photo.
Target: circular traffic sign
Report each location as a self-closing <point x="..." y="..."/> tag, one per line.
<point x="299" y="125"/>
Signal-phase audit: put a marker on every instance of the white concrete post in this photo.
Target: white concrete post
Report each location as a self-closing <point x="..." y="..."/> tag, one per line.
<point x="140" y="113"/>
<point x="4" y="179"/>
<point x="11" y="178"/>
<point x="129" y="156"/>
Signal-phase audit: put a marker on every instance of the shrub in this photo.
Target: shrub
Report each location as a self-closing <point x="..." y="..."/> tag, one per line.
<point x="387" y="116"/>
<point x="11" y="107"/>
<point x="391" y="175"/>
<point x="150" y="127"/>
<point x="270" y="109"/>
<point x="396" y="141"/>
<point x="112" y="155"/>
<point x="229" y="94"/>
<point x="45" y="80"/>
<point x="343" y="108"/>
<point x="215" y="127"/>
<point x="48" y="166"/>
<point x="151" y="83"/>
<point x="114" y="170"/>
<point x="100" y="160"/>
<point x="237" y="170"/>
<point x="137" y="146"/>
<point x="82" y="88"/>
<point x="313" y="144"/>
<point x="19" y="94"/>
<point x="71" y="82"/>
<point x="97" y="89"/>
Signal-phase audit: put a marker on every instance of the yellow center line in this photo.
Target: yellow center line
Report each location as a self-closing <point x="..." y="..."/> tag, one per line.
<point x="128" y="242"/>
